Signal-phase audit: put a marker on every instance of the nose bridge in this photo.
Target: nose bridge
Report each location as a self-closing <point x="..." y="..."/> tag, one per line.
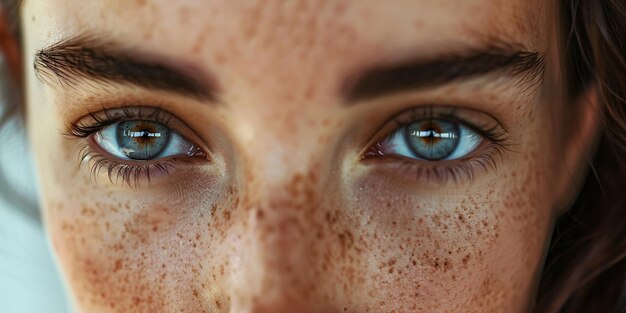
<point x="284" y="194"/>
<point x="279" y="150"/>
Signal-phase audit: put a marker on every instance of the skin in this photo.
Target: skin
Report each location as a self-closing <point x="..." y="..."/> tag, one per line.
<point x="286" y="216"/>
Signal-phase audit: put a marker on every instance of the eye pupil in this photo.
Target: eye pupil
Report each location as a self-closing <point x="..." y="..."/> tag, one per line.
<point x="142" y="140"/>
<point x="428" y="133"/>
<point x="432" y="139"/>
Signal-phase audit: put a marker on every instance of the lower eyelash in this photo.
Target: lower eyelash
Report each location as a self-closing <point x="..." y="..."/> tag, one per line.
<point x="458" y="170"/>
<point x="130" y="174"/>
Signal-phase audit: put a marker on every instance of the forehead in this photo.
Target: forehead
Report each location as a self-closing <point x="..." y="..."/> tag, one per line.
<point x="305" y="21"/>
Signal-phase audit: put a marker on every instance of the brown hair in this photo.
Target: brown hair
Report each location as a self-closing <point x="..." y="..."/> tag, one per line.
<point x="586" y="266"/>
<point x="585" y="270"/>
<point x="11" y="79"/>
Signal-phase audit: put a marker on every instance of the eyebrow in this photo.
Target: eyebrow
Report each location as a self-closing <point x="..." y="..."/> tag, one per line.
<point x="98" y="60"/>
<point x="409" y="75"/>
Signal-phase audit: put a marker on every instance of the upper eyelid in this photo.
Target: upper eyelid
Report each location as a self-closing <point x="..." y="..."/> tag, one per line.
<point x="99" y="119"/>
<point x="449" y="115"/>
<point x="105" y="116"/>
<point x="482" y="132"/>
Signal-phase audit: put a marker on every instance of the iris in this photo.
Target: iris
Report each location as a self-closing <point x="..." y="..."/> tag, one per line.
<point x="432" y="139"/>
<point x="142" y="140"/>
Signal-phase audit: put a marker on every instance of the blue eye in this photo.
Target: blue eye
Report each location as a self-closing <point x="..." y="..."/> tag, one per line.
<point x="142" y="140"/>
<point x="433" y="140"/>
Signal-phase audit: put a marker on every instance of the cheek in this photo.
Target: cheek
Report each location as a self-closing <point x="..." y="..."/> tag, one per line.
<point x="478" y="245"/>
<point x="113" y="263"/>
<point x="136" y="254"/>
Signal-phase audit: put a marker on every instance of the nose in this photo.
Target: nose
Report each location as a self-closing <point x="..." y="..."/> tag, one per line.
<point x="276" y="262"/>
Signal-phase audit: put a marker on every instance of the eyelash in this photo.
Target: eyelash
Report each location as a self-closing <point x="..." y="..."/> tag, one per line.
<point x="128" y="173"/>
<point x="497" y="142"/>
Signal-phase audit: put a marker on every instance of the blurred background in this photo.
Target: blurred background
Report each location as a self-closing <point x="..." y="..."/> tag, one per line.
<point x="29" y="282"/>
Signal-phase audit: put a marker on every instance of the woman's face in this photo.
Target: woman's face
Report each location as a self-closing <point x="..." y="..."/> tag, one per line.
<point x="296" y="156"/>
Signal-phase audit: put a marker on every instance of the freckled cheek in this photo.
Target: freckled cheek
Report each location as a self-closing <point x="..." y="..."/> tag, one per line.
<point x="427" y="246"/>
<point x="132" y="256"/>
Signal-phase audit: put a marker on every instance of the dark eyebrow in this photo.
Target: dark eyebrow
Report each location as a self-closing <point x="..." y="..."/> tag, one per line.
<point x="415" y="74"/>
<point x="99" y="60"/>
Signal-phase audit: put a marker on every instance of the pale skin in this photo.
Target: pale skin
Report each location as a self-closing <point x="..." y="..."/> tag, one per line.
<point x="283" y="213"/>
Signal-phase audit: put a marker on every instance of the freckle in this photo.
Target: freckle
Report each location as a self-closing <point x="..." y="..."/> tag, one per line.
<point x="118" y="265"/>
<point x="213" y="209"/>
<point x="418" y="23"/>
<point x="309" y="93"/>
<point x="227" y="215"/>
<point x="183" y="15"/>
<point x="466" y="259"/>
<point x="260" y="214"/>
<point x="221" y="58"/>
<point x="198" y="45"/>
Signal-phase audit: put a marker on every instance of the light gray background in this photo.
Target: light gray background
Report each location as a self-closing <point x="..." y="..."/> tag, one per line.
<point x="29" y="281"/>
